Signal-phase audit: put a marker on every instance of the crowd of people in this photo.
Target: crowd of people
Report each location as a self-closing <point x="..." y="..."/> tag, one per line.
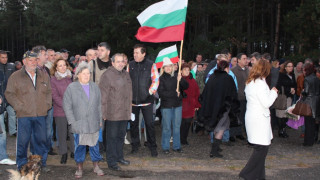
<point x="88" y="102"/>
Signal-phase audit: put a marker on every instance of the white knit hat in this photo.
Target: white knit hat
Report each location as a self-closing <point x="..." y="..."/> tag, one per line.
<point x="166" y="61"/>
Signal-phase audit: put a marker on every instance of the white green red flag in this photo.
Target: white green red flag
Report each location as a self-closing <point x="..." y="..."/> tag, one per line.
<point x="169" y="52"/>
<point x="163" y="21"/>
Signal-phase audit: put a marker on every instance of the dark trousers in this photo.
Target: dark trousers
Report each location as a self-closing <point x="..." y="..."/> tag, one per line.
<point x="184" y="129"/>
<point x="243" y="107"/>
<point x="63" y="131"/>
<point x="147" y="112"/>
<point x="255" y="167"/>
<point x="31" y="128"/>
<point x="310" y="125"/>
<point x="115" y="132"/>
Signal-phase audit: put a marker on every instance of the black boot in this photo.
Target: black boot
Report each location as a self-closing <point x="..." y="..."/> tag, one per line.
<point x="215" y="148"/>
<point x="316" y="132"/>
<point x="282" y="128"/>
<point x="64" y="158"/>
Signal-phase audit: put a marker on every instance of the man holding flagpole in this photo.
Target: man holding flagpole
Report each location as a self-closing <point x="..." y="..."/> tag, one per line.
<point x="145" y="81"/>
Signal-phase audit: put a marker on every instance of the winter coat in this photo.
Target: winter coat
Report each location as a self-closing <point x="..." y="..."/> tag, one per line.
<point x="287" y="83"/>
<point x="59" y="86"/>
<point x="25" y="98"/>
<point x="219" y="87"/>
<point x="167" y="90"/>
<point x="116" y="94"/>
<point x="312" y="94"/>
<point x="257" y="117"/>
<point x="82" y="113"/>
<point x="191" y="101"/>
<point x="5" y="72"/>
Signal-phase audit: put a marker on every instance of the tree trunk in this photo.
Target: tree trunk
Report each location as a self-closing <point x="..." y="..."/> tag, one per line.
<point x="276" y="40"/>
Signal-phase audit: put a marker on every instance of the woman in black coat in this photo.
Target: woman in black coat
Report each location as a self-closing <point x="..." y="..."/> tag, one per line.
<point x="218" y="99"/>
<point x="171" y="105"/>
<point x="311" y="93"/>
<point x="287" y="82"/>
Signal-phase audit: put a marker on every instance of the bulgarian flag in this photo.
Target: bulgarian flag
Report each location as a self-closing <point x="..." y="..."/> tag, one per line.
<point x="163" y="21"/>
<point x="169" y="52"/>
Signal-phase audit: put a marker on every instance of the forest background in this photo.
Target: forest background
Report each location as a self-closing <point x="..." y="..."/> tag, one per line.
<point x="287" y="29"/>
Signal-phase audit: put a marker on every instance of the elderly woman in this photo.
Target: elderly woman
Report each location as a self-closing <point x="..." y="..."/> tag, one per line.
<point x="60" y="79"/>
<point x="171" y="105"/>
<point x="257" y="119"/>
<point x="82" y="106"/>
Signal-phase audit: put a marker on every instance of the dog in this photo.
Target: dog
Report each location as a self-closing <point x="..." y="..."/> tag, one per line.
<point x="29" y="171"/>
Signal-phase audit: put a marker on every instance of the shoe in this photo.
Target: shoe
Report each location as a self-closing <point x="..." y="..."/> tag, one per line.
<point x="145" y="143"/>
<point x="45" y="169"/>
<point x="178" y="150"/>
<point x="51" y="152"/>
<point x="78" y="174"/>
<point x="154" y="153"/>
<point x="7" y="162"/>
<point x="98" y="171"/>
<point x="134" y="150"/>
<point x="171" y="139"/>
<point x="126" y="141"/>
<point x="115" y="168"/>
<point x="64" y="158"/>
<point x="124" y="162"/>
<point x="185" y="143"/>
<point x="228" y="143"/>
<point x="72" y="155"/>
<point x="232" y="139"/>
<point x="282" y="133"/>
<point x="166" y="151"/>
<point x="14" y="134"/>
<point x="156" y="119"/>
<point x="240" y="137"/>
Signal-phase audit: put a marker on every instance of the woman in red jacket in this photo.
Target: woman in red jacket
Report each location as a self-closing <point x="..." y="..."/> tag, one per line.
<point x="190" y="103"/>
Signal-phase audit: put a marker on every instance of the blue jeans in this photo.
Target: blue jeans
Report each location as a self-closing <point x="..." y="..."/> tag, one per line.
<point x="12" y="120"/>
<point x="225" y="137"/>
<point x="80" y="151"/>
<point x="171" y="117"/>
<point x="3" y="139"/>
<point x="35" y="128"/>
<point x="49" y="121"/>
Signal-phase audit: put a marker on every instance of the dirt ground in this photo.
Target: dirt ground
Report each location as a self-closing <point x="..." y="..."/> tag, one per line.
<point x="287" y="159"/>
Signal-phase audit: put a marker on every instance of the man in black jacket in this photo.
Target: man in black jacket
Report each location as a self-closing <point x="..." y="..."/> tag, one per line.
<point x="145" y="82"/>
<point x="6" y="69"/>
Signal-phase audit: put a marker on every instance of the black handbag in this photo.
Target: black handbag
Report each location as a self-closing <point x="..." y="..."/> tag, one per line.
<point x="281" y="101"/>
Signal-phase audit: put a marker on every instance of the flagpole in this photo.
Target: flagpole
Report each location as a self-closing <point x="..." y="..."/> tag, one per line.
<point x="179" y="71"/>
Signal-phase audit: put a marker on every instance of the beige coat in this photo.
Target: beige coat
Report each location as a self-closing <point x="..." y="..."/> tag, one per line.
<point x="27" y="100"/>
<point x="116" y="95"/>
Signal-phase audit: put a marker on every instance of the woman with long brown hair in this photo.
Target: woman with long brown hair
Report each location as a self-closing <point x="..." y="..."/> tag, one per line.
<point x="257" y="119"/>
<point x="61" y="77"/>
<point x="287" y="82"/>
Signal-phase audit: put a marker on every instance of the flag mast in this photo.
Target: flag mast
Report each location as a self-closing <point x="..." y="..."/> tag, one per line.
<point x="179" y="71"/>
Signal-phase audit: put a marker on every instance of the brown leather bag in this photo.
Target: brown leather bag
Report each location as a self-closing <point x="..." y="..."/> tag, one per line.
<point x="281" y="101"/>
<point x="302" y="109"/>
